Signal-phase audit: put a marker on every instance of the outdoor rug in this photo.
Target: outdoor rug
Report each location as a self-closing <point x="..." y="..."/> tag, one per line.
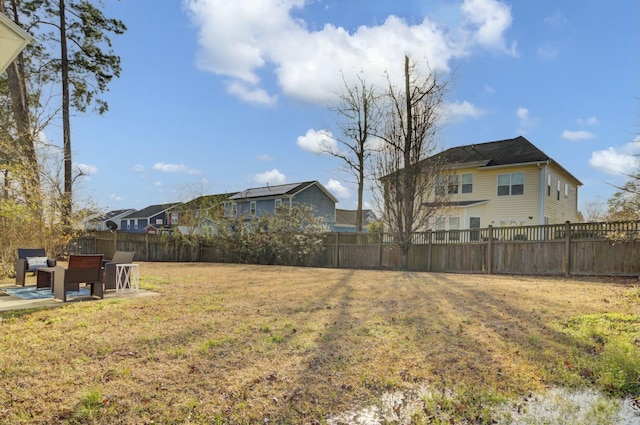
<point x="33" y="293"/>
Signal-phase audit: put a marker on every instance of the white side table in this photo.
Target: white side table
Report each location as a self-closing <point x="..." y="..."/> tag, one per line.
<point x="127" y="277"/>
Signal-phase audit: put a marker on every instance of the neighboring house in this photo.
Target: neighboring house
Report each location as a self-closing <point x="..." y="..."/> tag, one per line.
<point x="99" y="222"/>
<point x="259" y="201"/>
<point x="346" y="220"/>
<point x="201" y="216"/>
<point x="152" y="219"/>
<point x="505" y="183"/>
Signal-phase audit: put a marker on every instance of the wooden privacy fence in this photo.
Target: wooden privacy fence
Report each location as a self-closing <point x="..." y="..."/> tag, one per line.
<point x="560" y="249"/>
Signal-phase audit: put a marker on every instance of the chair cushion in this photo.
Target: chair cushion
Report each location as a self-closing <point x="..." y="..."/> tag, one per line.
<point x="34" y="263"/>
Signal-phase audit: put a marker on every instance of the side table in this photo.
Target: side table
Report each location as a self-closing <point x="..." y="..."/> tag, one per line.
<point x="127" y="277"/>
<point x="44" y="277"/>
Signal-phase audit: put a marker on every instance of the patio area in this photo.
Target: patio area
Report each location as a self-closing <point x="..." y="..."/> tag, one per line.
<point x="10" y="302"/>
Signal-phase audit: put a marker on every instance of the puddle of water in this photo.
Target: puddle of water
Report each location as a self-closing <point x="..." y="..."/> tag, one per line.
<point x="557" y="406"/>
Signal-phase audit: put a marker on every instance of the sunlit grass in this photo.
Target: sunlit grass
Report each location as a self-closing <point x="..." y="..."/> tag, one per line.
<point x="234" y="344"/>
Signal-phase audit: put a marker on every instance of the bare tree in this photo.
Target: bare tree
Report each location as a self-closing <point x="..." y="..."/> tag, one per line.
<point x="359" y="119"/>
<point x="407" y="170"/>
<point x="594" y="211"/>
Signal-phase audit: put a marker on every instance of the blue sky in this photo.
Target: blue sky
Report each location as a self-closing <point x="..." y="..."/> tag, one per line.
<point x="216" y="96"/>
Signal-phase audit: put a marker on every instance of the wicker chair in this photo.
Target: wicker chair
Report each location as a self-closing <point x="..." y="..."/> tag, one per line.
<point x="119" y="257"/>
<point x="81" y="269"/>
<point x="30" y="260"/>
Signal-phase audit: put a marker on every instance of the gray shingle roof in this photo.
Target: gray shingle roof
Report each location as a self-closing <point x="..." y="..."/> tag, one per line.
<point x="278" y="190"/>
<point x="150" y="211"/>
<point x="501" y="152"/>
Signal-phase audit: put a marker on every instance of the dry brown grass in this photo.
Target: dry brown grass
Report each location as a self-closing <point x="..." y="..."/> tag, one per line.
<point x="238" y="343"/>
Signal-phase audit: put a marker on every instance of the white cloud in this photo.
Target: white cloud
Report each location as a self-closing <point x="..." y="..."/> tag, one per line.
<point x="251" y="94"/>
<point x="458" y="111"/>
<point x="265" y="157"/>
<point x="86" y="169"/>
<point x="577" y="135"/>
<point x="158" y="183"/>
<point x="317" y="141"/>
<point x="589" y="122"/>
<point x="174" y="168"/>
<point x="338" y="189"/>
<point x="617" y="161"/>
<point x="522" y="113"/>
<point x="527" y="122"/>
<point x="272" y="177"/>
<point x="246" y="40"/>
<point x="138" y="168"/>
<point x="489" y="19"/>
<point x="548" y="51"/>
<point x="489" y="89"/>
<point x="116" y="198"/>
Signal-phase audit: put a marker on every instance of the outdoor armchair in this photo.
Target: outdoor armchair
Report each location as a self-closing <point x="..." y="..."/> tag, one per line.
<point x="81" y="269"/>
<point x="119" y="257"/>
<point x="30" y="260"/>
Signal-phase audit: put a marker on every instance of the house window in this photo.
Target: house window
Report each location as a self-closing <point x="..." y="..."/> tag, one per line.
<point x="174" y="218"/>
<point x="135" y="224"/>
<point x="452" y="184"/>
<point x="252" y="208"/>
<point x="440" y="182"/>
<point x="566" y="190"/>
<point x="278" y="203"/>
<point x="234" y="209"/>
<point x="128" y="225"/>
<point x="548" y="184"/>
<point x="510" y="184"/>
<point x="159" y="221"/>
<point x="558" y="192"/>
<point x="467" y="183"/>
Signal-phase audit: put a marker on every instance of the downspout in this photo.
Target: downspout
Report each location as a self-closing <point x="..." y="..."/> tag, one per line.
<point x="543" y="192"/>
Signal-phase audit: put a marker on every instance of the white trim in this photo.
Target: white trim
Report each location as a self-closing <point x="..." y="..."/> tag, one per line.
<point x="15" y="39"/>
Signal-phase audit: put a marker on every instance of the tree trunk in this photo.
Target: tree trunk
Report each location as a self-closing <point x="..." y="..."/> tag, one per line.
<point x="66" y="126"/>
<point x="20" y="108"/>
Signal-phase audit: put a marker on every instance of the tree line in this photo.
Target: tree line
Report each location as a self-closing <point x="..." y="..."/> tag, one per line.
<point x="65" y="69"/>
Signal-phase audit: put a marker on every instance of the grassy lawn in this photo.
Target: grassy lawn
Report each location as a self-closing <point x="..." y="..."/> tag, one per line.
<point x="245" y="344"/>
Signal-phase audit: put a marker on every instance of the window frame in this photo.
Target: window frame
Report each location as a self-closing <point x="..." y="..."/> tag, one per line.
<point x="253" y="208"/>
<point x="511" y="184"/>
<point x="469" y="186"/>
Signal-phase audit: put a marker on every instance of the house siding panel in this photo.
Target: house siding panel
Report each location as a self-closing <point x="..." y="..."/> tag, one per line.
<point x="564" y="209"/>
<point x="499" y="210"/>
<point x="324" y="206"/>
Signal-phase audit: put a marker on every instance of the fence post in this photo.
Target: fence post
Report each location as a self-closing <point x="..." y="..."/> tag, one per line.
<point x="429" y="247"/>
<point x="566" y="261"/>
<point x="337" y="250"/>
<point x="380" y="250"/>
<point x="490" y="251"/>
<point x="146" y="246"/>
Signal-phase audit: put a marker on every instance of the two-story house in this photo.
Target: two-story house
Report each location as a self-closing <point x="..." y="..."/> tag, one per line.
<point x="259" y="201"/>
<point x="152" y="219"/>
<point x="504" y="183"/>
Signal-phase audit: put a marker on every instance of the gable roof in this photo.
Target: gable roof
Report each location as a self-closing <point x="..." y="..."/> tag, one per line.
<point x="150" y="211"/>
<point x="499" y="153"/>
<point x="114" y="213"/>
<point x="209" y="200"/>
<point x="290" y="189"/>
